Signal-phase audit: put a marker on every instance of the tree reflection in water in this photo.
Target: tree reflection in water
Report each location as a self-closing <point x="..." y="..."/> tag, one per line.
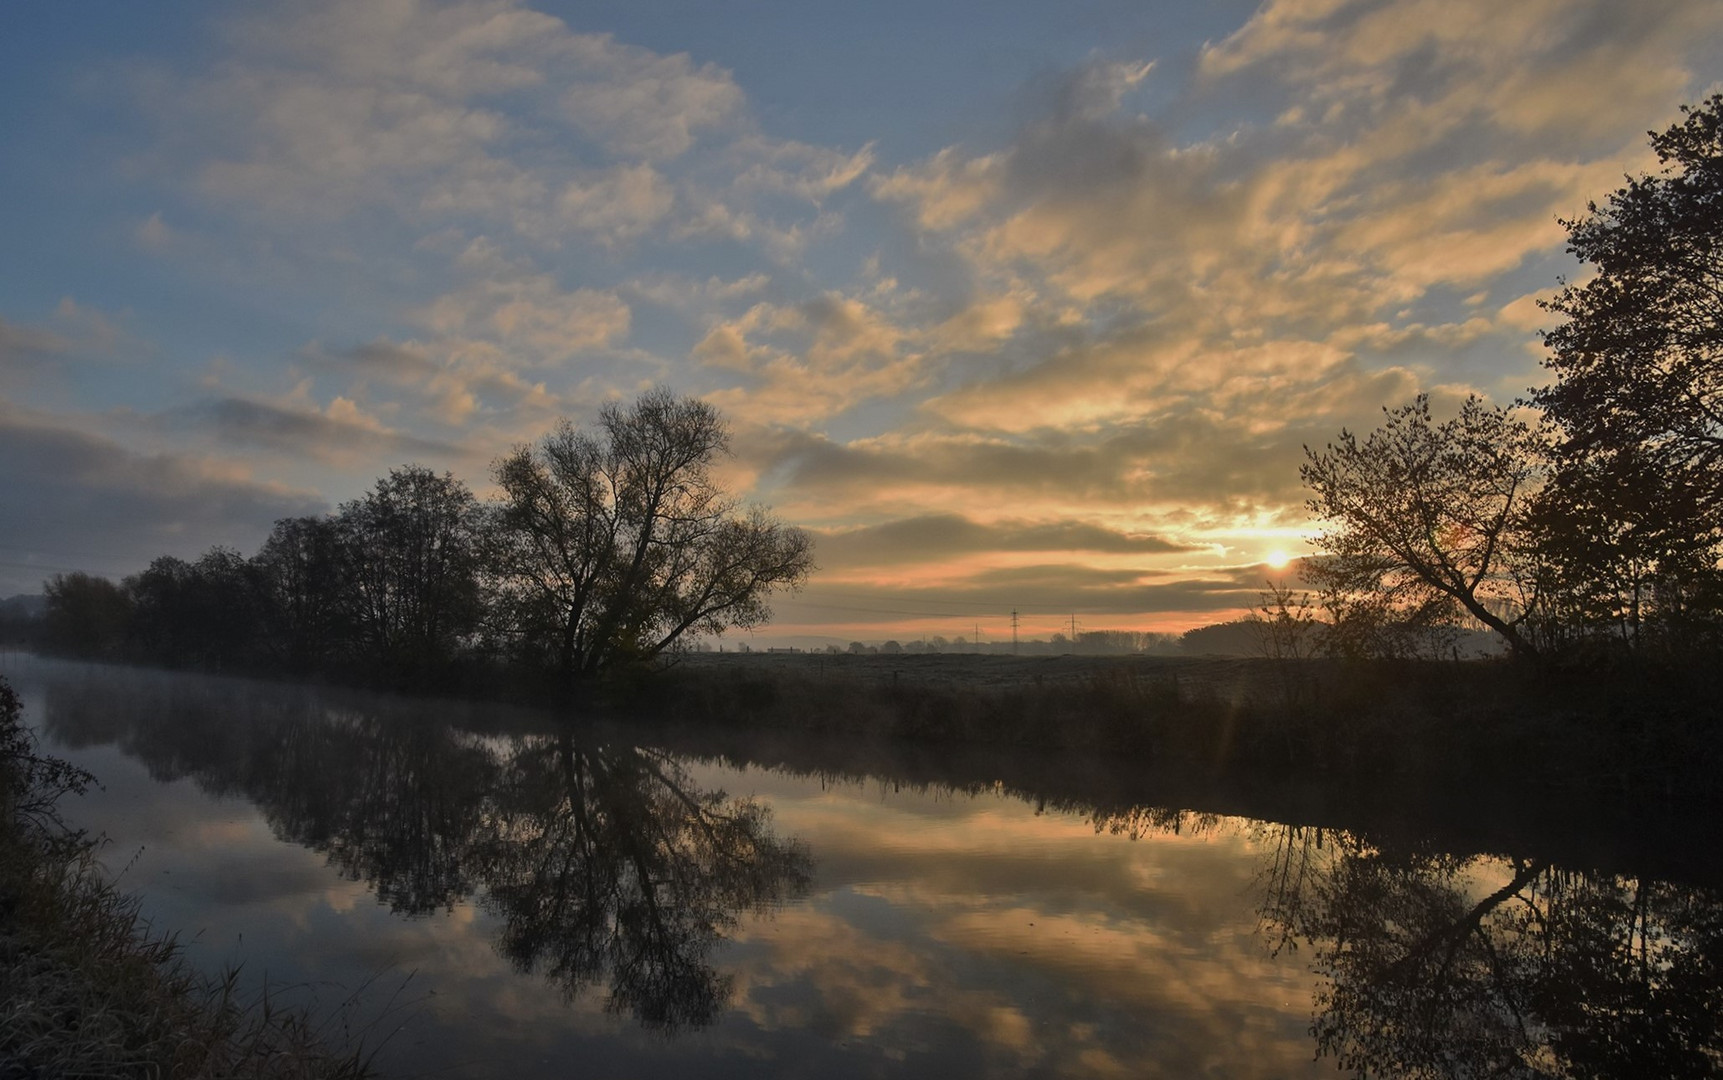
<point x="1440" y="966"/>
<point x="608" y="864"/>
<point x="602" y="862"/>
<point x="610" y="860"/>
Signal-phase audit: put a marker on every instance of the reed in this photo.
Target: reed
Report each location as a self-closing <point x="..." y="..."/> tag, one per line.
<point x="89" y="989"/>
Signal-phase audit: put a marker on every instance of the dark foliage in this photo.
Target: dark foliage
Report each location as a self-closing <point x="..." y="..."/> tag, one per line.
<point x="1607" y="530"/>
<point x="1636" y="507"/>
<point x="604" y="552"/>
<point x="1435" y="966"/>
<point x="608" y="549"/>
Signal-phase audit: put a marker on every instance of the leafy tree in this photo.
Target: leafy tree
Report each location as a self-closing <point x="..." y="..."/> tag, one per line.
<point x="1236" y="637"/>
<point x="207" y="614"/>
<point x="410" y="567"/>
<point x="31" y="783"/>
<point x="1638" y="396"/>
<point x="85" y="616"/>
<point x="609" y="547"/>
<point x="1431" y="519"/>
<point x="299" y="570"/>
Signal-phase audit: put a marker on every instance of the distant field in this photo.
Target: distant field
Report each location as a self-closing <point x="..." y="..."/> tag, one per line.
<point x="978" y="671"/>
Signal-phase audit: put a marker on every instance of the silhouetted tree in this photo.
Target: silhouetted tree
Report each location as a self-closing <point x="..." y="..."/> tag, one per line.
<point x="609" y="548"/>
<point x="85" y="616"/>
<point x="206" y="614"/>
<point x="301" y="573"/>
<point x="31" y="783"/>
<point x="410" y="568"/>
<point x="1637" y="516"/>
<point x="1236" y="637"/>
<point x="1431" y="519"/>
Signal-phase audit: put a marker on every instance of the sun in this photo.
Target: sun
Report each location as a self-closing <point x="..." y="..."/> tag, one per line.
<point x="1278" y="559"/>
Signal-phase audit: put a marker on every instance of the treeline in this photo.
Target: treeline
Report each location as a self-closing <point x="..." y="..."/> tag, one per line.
<point x="1086" y="643"/>
<point x="604" y="549"/>
<point x="1588" y="519"/>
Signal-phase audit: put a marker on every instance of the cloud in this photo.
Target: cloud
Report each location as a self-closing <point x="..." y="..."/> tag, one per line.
<point x="508" y="303"/>
<point x="76" y="335"/>
<point x="380" y="359"/>
<point x="616" y="205"/>
<point x="931" y="537"/>
<point x="71" y="500"/>
<point x="642" y="104"/>
<point x="946" y="190"/>
<point x="1202" y="467"/>
<point x="154" y="234"/>
<point x="24" y="347"/>
<point x="813" y="173"/>
<point x="479" y="109"/>
<point x="810" y="360"/>
<point x="1170" y="316"/>
<point x="1127" y="314"/>
<point x="685" y="293"/>
<point x="339" y="434"/>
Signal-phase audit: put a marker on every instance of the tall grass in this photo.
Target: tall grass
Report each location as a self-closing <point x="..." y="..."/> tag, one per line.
<point x="1405" y="725"/>
<point x="88" y="989"/>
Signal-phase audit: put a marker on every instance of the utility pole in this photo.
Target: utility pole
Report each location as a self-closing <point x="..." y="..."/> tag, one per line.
<point x="1073" y="633"/>
<point x="1013" y="631"/>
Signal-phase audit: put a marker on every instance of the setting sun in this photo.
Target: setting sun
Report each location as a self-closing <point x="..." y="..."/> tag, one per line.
<point x="1278" y="559"/>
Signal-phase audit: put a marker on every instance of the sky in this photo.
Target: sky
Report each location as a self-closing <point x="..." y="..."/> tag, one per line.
<point x="1013" y="306"/>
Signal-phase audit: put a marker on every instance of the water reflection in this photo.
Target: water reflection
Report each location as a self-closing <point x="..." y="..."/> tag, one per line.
<point x="610" y="860"/>
<point x="1439" y="966"/>
<point x="1054" y="922"/>
<point x="604" y="863"/>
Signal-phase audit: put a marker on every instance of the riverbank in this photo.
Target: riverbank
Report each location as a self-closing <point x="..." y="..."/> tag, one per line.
<point x="87" y="988"/>
<point x="1640" y="731"/>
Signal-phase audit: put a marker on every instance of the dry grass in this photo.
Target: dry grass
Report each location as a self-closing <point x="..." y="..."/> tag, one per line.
<point x="1643" y="732"/>
<point x="87" y="990"/>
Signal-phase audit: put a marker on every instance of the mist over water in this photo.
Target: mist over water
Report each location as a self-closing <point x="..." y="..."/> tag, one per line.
<point x="503" y="894"/>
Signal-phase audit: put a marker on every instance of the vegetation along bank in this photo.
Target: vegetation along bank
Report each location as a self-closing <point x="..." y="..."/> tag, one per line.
<point x="87" y="988"/>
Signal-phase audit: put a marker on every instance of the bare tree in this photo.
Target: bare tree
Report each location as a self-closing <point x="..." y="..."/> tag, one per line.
<point x="611" y="547"/>
<point x="1433" y="515"/>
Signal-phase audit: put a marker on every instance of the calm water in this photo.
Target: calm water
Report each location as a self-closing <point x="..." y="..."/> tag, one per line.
<point x="504" y="897"/>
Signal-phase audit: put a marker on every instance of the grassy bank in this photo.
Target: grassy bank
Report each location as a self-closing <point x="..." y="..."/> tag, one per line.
<point x="1641" y="732"/>
<point x="87" y="988"/>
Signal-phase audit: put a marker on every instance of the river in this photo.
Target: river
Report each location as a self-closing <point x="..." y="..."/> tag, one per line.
<point x="490" y="892"/>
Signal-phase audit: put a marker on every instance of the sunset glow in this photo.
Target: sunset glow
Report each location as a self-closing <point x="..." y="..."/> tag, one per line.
<point x="1028" y="310"/>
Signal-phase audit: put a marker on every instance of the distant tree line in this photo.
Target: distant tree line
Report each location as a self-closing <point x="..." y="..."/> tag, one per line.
<point x="1596" y="522"/>
<point x="1086" y="643"/>
<point x="604" y="549"/>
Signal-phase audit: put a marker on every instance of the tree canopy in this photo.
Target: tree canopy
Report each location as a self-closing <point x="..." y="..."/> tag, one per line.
<point x="1605" y="525"/>
<point x="611" y="546"/>
<point x="1429" y="517"/>
<point x="606" y="547"/>
<point x="1636" y="511"/>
